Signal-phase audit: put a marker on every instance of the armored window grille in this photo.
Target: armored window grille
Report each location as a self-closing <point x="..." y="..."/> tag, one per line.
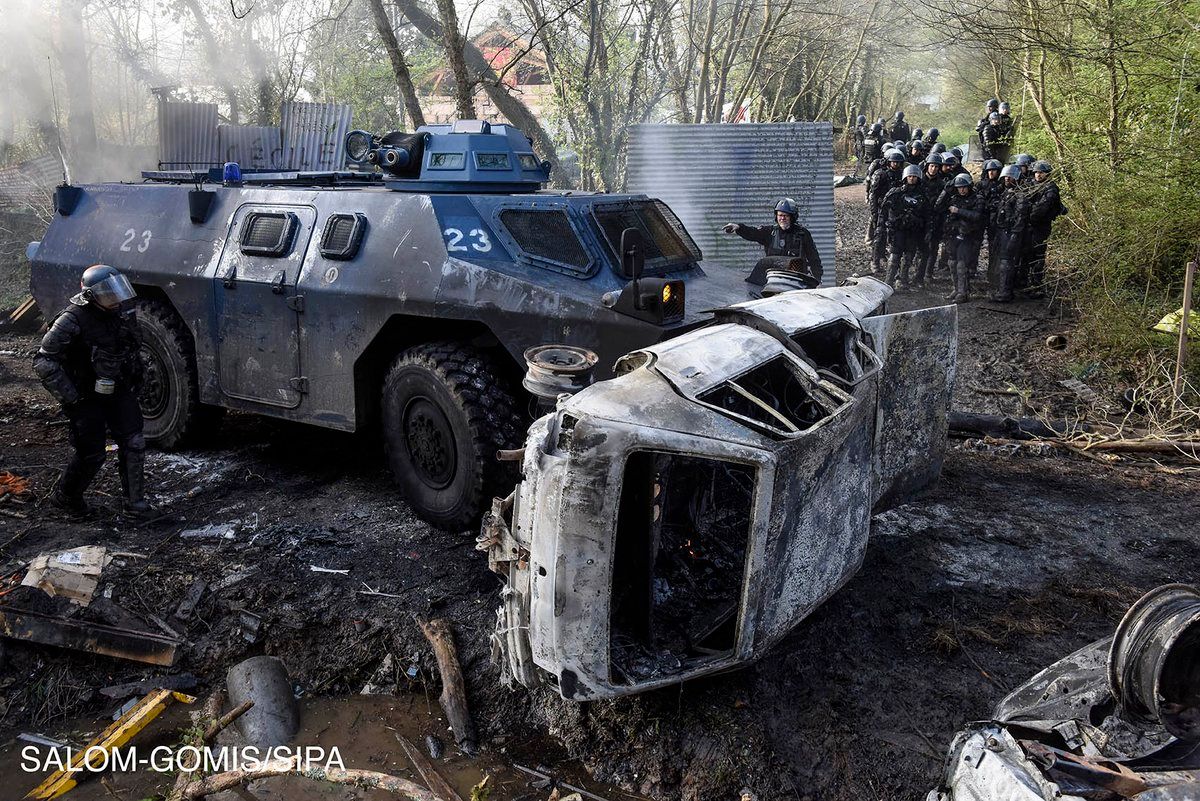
<point x="268" y="233"/>
<point x="546" y="235"/>
<point x="342" y="236"/>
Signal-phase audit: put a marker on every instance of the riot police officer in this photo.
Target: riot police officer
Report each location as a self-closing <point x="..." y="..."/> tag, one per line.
<point x="992" y="105"/>
<point x="872" y="144"/>
<point x="916" y="151"/>
<point x="858" y="136"/>
<point x="932" y="184"/>
<point x="962" y="232"/>
<point x="931" y="138"/>
<point x="907" y="213"/>
<point x="1010" y="218"/>
<point x="90" y="362"/>
<point x="787" y="237"/>
<point x="995" y="138"/>
<point x="1023" y="162"/>
<point x="882" y="182"/>
<point x="989" y="190"/>
<point x="1045" y="206"/>
<point x="900" y="130"/>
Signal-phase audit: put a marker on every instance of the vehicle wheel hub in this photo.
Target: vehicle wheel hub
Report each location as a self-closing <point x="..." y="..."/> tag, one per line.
<point x="155" y="390"/>
<point x="430" y="442"/>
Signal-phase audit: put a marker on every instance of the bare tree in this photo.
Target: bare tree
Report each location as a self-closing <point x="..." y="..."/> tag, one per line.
<point x="404" y="82"/>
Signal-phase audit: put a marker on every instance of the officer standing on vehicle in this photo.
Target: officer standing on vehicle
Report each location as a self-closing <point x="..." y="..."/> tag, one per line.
<point x="1010" y="218"/>
<point x="1045" y="206"/>
<point x="90" y="362"/>
<point x="787" y="237"/>
<point x="962" y="233"/>
<point x="993" y="105"/>
<point x="900" y="130"/>
<point x="907" y="214"/>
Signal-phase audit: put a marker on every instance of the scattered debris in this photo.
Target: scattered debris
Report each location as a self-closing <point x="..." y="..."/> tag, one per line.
<point x="39" y="739"/>
<point x="72" y="574"/>
<point x="183" y="681"/>
<point x="13" y="485"/>
<point x="250" y="625"/>
<point x="1085" y="393"/>
<point x="433" y="744"/>
<point x="454" y="690"/>
<point x="24" y="317"/>
<point x="383" y="680"/>
<point x="1114" y="720"/>
<point x="275" y="718"/>
<point x="213" y="531"/>
<point x="556" y="784"/>
<point x="234" y="578"/>
<point x="219" y="782"/>
<point x="137" y="646"/>
<point x="336" y="571"/>
<point x="433" y="780"/>
<point x="187" y="607"/>
<point x="118" y="734"/>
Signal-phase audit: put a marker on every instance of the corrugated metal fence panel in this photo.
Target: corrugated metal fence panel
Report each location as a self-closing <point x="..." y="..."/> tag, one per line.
<point x="719" y="173"/>
<point x="253" y="147"/>
<point x="314" y="135"/>
<point x="187" y="135"/>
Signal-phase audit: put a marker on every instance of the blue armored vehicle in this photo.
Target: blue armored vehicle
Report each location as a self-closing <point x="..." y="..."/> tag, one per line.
<point x="402" y="294"/>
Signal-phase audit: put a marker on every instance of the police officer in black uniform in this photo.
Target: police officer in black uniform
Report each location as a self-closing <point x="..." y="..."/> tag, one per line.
<point x="882" y="181"/>
<point x="1045" y="206"/>
<point x="1010" y="220"/>
<point x="899" y="128"/>
<point x="962" y="233"/>
<point x="787" y="237"/>
<point x="907" y="214"/>
<point x="90" y="362"/>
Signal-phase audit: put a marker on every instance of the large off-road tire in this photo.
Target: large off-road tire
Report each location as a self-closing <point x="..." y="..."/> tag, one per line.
<point x="446" y="411"/>
<point x="170" y="394"/>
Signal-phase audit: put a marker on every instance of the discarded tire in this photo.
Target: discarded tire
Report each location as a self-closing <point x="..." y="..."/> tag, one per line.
<point x="1154" y="662"/>
<point x="274" y="719"/>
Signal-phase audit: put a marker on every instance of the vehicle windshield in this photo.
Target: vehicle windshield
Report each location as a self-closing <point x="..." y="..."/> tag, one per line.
<point x="668" y="244"/>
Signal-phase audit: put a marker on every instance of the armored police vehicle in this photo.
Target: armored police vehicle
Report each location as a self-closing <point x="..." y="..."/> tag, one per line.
<point x="403" y="295"/>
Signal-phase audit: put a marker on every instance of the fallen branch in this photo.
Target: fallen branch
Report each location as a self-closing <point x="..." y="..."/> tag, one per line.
<point x="1177" y="446"/>
<point x="223" y="722"/>
<point x="454" y="690"/>
<point x="365" y="779"/>
<point x="433" y="780"/>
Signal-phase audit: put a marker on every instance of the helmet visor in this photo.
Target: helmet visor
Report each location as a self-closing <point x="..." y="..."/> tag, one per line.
<point x="112" y="291"/>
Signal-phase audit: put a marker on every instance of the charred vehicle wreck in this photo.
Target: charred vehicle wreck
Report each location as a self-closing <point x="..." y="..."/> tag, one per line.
<point x="1117" y="719"/>
<point x="676" y="520"/>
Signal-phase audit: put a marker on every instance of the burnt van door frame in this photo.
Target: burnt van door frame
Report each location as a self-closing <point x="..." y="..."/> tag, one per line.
<point x="258" y="310"/>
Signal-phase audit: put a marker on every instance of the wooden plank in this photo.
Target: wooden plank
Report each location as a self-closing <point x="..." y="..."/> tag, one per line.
<point x="95" y="638"/>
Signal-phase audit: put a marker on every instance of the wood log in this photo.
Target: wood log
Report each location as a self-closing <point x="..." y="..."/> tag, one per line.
<point x="1023" y="428"/>
<point x="454" y="690"/>
<point x="366" y="779"/>
<point x="1181" y="447"/>
<point x="429" y="774"/>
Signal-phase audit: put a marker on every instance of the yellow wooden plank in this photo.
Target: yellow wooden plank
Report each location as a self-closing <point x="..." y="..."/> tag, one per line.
<point x="116" y="735"/>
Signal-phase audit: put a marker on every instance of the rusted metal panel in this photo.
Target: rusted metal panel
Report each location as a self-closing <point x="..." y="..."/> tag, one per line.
<point x="314" y="135"/>
<point x="253" y="147"/>
<point x="187" y="135"/>
<point x="138" y="646"/>
<point x="714" y="174"/>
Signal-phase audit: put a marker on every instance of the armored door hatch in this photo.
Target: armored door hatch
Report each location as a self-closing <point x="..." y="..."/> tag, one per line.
<point x="257" y="306"/>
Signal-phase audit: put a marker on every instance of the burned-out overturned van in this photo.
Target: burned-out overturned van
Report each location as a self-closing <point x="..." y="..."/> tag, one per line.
<point x="679" y="518"/>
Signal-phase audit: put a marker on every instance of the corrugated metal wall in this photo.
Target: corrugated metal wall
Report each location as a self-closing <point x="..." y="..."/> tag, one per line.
<point x="254" y="147"/>
<point x="714" y="174"/>
<point x="314" y="135"/>
<point x="187" y="135"/>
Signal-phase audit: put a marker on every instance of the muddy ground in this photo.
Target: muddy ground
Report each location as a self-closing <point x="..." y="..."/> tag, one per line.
<point x="1009" y="562"/>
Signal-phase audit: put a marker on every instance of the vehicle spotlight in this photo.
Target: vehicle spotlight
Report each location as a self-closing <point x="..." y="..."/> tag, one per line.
<point x="358" y="145"/>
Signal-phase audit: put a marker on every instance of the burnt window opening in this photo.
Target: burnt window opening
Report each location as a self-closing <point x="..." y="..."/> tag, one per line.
<point x="267" y="233"/>
<point x="667" y="243"/>
<point x="342" y="236"/>
<point x="683" y="527"/>
<point x="772" y="396"/>
<point x="832" y="348"/>
<point x="547" y="235"/>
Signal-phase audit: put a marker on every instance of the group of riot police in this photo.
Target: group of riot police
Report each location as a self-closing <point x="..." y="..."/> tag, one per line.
<point x="928" y="215"/>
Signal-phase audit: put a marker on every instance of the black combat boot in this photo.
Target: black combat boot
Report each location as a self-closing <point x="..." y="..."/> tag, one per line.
<point x="76" y="477"/>
<point x="133" y="482"/>
<point x="893" y="270"/>
<point x="1006" y="273"/>
<point x="962" y="282"/>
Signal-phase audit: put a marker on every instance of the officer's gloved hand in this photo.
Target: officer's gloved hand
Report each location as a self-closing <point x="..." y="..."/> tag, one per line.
<point x="730" y="228"/>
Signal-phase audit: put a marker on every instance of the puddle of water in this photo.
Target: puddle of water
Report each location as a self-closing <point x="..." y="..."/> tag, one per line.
<point x="362" y="728"/>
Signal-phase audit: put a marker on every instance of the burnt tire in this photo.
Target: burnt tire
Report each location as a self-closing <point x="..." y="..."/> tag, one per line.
<point x="170" y="394"/>
<point x="446" y="411"/>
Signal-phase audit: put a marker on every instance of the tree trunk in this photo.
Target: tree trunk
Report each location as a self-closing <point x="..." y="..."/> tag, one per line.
<point x="217" y="60"/>
<point x="452" y="42"/>
<point x="404" y="83"/>
<point x="81" y="113"/>
<point x="513" y="108"/>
